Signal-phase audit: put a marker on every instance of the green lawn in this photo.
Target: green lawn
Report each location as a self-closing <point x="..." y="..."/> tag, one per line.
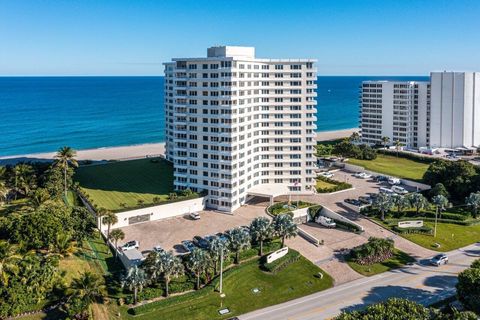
<point x="324" y="184"/>
<point x="393" y="166"/>
<point x="449" y="236"/>
<point x="295" y="281"/>
<point x="281" y="207"/>
<point x="398" y="260"/>
<point x="113" y="184"/>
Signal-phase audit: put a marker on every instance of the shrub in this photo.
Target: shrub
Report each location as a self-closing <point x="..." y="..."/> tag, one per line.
<point x="314" y="211"/>
<point x="420" y="230"/>
<point x="280" y="264"/>
<point x="347" y="226"/>
<point x="338" y="185"/>
<point x="374" y="251"/>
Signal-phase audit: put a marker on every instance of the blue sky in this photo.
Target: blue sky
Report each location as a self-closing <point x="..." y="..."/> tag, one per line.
<point x="351" y="37"/>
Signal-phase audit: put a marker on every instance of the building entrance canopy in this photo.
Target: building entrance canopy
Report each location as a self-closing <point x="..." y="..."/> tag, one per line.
<point x="270" y="191"/>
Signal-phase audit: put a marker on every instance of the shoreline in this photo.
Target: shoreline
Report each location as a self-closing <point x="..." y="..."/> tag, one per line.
<point x="137" y="151"/>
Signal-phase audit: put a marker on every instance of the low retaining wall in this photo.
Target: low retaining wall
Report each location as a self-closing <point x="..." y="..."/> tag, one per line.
<point x="300" y="215"/>
<point x="159" y="212"/>
<point x="335" y="216"/>
<point x="307" y="236"/>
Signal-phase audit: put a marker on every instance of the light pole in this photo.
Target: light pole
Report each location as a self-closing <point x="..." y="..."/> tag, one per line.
<point x="436" y="219"/>
<point x="221" y="271"/>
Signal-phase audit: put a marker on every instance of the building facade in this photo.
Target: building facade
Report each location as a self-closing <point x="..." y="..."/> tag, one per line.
<point x="236" y="123"/>
<point x="442" y="113"/>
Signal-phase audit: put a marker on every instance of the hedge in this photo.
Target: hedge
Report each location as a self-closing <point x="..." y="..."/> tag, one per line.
<point x="280" y="264"/>
<point x="410" y="156"/>
<point x="469" y="222"/>
<point x="338" y="185"/>
<point x="411" y="230"/>
<point x="279" y="207"/>
<point x="347" y="226"/>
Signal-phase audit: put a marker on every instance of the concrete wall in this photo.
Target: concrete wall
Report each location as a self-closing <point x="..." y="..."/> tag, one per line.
<point x="335" y="216"/>
<point x="159" y="212"/>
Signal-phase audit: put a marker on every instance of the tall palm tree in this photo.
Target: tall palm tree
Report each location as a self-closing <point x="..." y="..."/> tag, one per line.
<point x="383" y="203"/>
<point x="385" y="141"/>
<point x="115" y="235"/>
<point x="401" y="203"/>
<point x="109" y="219"/>
<point x="284" y="227"/>
<point x="398" y="145"/>
<point x="355" y="137"/>
<point x="473" y="201"/>
<point x="440" y="203"/>
<point x="64" y="157"/>
<point x="217" y="248"/>
<point x="260" y="230"/>
<point x="239" y="240"/>
<point x="199" y="261"/>
<point x="8" y="261"/>
<point x="99" y="213"/>
<point x="88" y="287"/>
<point x="135" y="279"/>
<point x="418" y="201"/>
<point x="172" y="267"/>
<point x="24" y="178"/>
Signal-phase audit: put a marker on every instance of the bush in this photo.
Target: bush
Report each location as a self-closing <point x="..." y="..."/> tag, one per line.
<point x="374" y="251"/>
<point x="347" y="226"/>
<point x="420" y="230"/>
<point x="468" y="289"/>
<point x="280" y="264"/>
<point x="410" y="156"/>
<point x="314" y="211"/>
<point x="278" y="208"/>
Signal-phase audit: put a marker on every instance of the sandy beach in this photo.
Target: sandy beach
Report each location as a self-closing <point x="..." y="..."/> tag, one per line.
<point x="137" y="151"/>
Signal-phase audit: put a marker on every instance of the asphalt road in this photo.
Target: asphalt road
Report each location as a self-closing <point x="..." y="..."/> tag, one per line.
<point x="418" y="282"/>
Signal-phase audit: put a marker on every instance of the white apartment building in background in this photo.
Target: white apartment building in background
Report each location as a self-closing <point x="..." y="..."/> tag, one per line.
<point x="237" y="125"/>
<point x="442" y="113"/>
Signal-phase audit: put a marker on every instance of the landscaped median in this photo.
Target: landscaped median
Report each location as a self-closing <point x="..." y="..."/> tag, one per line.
<point x="327" y="185"/>
<point x="247" y="287"/>
<point x="377" y="256"/>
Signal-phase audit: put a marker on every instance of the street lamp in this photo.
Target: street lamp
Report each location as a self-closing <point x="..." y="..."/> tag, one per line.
<point x="221" y="271"/>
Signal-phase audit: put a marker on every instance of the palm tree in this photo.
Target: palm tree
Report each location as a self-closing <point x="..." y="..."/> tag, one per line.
<point x="401" y="203"/>
<point x="218" y="247"/>
<point x="115" y="235"/>
<point x="88" y="287"/>
<point x="99" y="213"/>
<point x="8" y="261"/>
<point x="418" y="201"/>
<point x="261" y="230"/>
<point x="199" y="261"/>
<point x="355" y="137"/>
<point x="3" y="192"/>
<point x="109" y="219"/>
<point x="24" y="178"/>
<point x="284" y="227"/>
<point x="440" y="203"/>
<point x="383" y="203"/>
<point x="398" y="145"/>
<point x="63" y="245"/>
<point x="172" y="268"/>
<point x="135" y="280"/>
<point x="473" y="201"/>
<point x="385" y="141"/>
<point x="64" y="157"/>
<point x="239" y="240"/>
<point x="39" y="197"/>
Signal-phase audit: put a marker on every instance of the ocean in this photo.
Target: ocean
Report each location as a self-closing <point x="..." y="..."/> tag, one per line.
<point x="41" y="114"/>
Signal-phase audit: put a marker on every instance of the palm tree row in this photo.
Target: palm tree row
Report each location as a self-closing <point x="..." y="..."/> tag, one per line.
<point x="166" y="266"/>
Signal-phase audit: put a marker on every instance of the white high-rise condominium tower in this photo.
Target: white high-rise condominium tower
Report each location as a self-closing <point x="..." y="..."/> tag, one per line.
<point x="239" y="126"/>
<point x="442" y="113"/>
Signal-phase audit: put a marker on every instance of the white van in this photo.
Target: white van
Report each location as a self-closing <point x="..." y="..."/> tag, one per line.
<point x="393" y="181"/>
<point x="399" y="190"/>
<point x="325" y="221"/>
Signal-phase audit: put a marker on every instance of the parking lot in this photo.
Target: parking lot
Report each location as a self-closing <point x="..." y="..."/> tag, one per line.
<point x="169" y="233"/>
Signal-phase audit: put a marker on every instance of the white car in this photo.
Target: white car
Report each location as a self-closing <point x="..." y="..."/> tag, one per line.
<point x="363" y="175"/>
<point x="326" y="174"/>
<point x="394" y="181"/>
<point x="399" y="190"/>
<point x="386" y="190"/>
<point x="195" y="215"/>
<point x="131" y="245"/>
<point x="326" y="222"/>
<point x="438" y="260"/>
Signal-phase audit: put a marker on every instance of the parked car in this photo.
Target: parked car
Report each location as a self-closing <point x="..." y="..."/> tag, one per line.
<point x="438" y="260"/>
<point x="394" y="181"/>
<point x="355" y="202"/>
<point x="188" y="245"/>
<point x="326" y="174"/>
<point x="365" y="199"/>
<point x="380" y="178"/>
<point x="399" y="190"/>
<point x="194" y="215"/>
<point x="200" y="242"/>
<point x="386" y="190"/>
<point x="325" y="221"/>
<point x="363" y="175"/>
<point x="222" y="236"/>
<point x="131" y="245"/>
<point x="158" y="249"/>
<point x="209" y="238"/>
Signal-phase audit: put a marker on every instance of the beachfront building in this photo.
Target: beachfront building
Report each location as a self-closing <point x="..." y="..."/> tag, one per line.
<point x="239" y="126"/>
<point x="441" y="113"/>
